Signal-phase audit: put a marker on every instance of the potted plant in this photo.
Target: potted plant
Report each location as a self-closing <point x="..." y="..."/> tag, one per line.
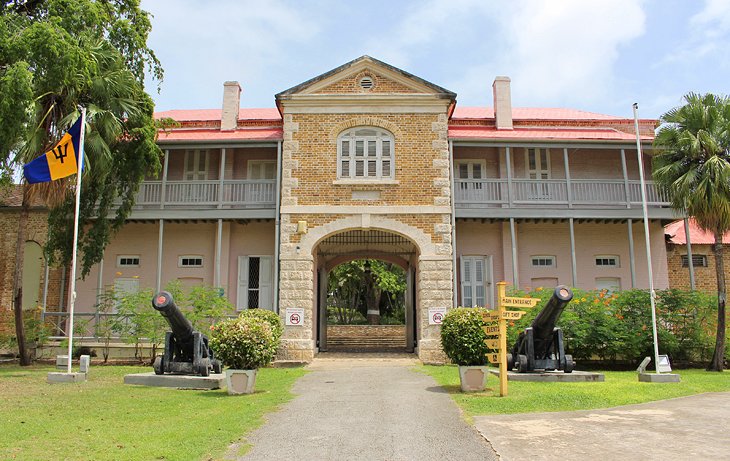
<point x="245" y="344"/>
<point x="462" y="339"/>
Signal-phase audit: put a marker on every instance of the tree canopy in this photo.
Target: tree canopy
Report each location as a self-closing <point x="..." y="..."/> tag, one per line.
<point x="693" y="170"/>
<point x="57" y="56"/>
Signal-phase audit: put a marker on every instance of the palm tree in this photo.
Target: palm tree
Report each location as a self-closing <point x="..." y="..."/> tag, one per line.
<point x="693" y="169"/>
<point x="119" y="149"/>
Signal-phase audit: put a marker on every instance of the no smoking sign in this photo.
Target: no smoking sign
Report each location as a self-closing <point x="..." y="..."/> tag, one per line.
<point x="295" y="316"/>
<point x="436" y="315"/>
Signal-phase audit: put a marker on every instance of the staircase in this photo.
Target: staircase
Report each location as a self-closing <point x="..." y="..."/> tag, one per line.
<point x="366" y="338"/>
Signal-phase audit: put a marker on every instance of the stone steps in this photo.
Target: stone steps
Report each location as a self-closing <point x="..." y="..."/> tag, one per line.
<point x="368" y="343"/>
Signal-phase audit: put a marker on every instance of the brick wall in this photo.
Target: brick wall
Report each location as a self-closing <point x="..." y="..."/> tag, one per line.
<point x="705" y="279"/>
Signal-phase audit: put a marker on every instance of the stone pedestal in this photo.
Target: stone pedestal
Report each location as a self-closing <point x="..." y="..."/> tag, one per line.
<point x="58" y="377"/>
<point x="658" y="378"/>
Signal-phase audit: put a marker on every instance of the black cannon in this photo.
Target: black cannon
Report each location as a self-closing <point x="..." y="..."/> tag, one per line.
<point x="186" y="350"/>
<point x="540" y="346"/>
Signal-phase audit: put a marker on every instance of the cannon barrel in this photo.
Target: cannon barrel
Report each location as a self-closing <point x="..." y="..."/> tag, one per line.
<point x="180" y="326"/>
<point x="544" y="323"/>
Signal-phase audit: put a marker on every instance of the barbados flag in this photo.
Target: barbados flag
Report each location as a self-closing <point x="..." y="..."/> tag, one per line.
<point x="60" y="161"/>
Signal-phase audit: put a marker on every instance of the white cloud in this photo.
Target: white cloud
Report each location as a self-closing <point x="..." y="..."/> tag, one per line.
<point x="565" y="51"/>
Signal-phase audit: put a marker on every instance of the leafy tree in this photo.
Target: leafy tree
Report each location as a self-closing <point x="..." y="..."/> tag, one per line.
<point x="693" y="169"/>
<point x="57" y="55"/>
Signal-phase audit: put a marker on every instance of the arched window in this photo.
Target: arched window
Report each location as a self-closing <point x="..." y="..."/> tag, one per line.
<point x="365" y="153"/>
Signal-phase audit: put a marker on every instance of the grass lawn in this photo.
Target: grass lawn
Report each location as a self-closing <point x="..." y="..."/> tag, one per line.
<point x="103" y="419"/>
<point x="620" y="388"/>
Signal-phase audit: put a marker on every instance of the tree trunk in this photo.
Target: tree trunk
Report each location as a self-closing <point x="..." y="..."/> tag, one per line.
<point x="371" y="298"/>
<point x="718" y="357"/>
<point x="23" y="352"/>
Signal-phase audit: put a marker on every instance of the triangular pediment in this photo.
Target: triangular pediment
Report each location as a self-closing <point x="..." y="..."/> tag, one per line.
<point x="366" y="76"/>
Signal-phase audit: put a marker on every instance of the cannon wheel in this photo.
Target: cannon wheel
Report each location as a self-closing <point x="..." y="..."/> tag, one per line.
<point x="569" y="364"/>
<point x="510" y="361"/>
<point x="522" y="363"/>
<point x="158" y="365"/>
<point x="217" y="368"/>
<point x="204" y="367"/>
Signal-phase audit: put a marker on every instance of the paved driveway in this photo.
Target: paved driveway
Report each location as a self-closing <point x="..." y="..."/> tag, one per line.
<point x="367" y="409"/>
<point x="686" y="428"/>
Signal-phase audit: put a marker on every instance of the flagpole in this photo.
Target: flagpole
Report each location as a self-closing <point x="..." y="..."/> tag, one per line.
<point x="72" y="303"/>
<point x="652" y="293"/>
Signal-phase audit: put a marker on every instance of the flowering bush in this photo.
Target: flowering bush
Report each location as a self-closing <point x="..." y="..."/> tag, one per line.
<point x="462" y="336"/>
<point x="245" y="343"/>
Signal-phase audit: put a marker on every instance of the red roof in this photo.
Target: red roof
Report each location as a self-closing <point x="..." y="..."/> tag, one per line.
<point x="675" y="233"/>
<point x="183" y="115"/>
<point x="528" y="113"/>
<point x="536" y="134"/>
<point x="247" y="134"/>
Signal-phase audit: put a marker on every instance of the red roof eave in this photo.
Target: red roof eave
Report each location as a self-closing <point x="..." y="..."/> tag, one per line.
<point x="265" y="134"/>
<point x="474" y="133"/>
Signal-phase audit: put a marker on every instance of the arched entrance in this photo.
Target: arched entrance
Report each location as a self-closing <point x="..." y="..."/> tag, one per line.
<point x="367" y="246"/>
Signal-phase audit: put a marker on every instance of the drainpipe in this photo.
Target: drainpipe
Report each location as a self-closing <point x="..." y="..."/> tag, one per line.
<point x="277" y="227"/>
<point x="453" y="224"/>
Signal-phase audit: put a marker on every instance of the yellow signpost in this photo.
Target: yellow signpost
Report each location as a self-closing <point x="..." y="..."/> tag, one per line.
<point x="501" y="315"/>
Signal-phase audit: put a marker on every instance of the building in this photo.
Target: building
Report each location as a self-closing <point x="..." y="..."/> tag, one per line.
<point x="367" y="160"/>
<point x="701" y="274"/>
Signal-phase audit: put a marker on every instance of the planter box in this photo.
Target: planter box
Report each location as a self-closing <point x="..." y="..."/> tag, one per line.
<point x="473" y="378"/>
<point x="240" y="381"/>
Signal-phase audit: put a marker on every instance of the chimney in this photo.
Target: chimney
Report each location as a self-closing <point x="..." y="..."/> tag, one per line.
<point x="502" y="103"/>
<point x="231" y="104"/>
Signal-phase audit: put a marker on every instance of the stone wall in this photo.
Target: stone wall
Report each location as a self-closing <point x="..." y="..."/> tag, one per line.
<point x="705" y="279"/>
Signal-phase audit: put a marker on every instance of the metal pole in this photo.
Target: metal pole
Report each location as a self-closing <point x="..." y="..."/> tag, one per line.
<point x="72" y="303"/>
<point x="515" y="281"/>
<point x="218" y="245"/>
<point x="652" y="294"/>
<point x="573" y="262"/>
<point x="158" y="283"/>
<point x="632" y="259"/>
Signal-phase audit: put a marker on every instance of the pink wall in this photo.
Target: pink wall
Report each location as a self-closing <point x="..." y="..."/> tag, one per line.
<point x="553" y="239"/>
<point x="252" y="239"/>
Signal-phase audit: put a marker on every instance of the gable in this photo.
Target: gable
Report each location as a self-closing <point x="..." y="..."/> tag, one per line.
<point x="345" y="79"/>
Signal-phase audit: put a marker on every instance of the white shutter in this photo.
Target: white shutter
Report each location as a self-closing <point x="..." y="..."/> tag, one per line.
<point x="466" y="285"/>
<point x="265" y="285"/>
<point x="242" y="295"/>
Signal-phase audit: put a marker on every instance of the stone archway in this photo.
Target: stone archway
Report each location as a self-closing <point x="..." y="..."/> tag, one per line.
<point x="301" y="269"/>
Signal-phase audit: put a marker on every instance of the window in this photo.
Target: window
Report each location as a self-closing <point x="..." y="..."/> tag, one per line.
<point x="609" y="284"/>
<point x="196" y="165"/>
<point x="697" y="261"/>
<point x="261" y="169"/>
<point x="607" y="261"/>
<point x="127" y="260"/>
<point x="190" y="261"/>
<point x="255" y="282"/>
<point x="365" y="153"/>
<point x="537" y="163"/>
<point x="543" y="261"/>
<point x="476" y="281"/>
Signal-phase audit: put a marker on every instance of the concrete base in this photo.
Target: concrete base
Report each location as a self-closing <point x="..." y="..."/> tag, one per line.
<point x="553" y="376"/>
<point x="658" y="378"/>
<point x="56" y="377"/>
<point x="214" y="381"/>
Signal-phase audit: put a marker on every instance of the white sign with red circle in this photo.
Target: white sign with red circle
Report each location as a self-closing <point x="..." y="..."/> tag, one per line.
<point x="436" y="315"/>
<point x="295" y="316"/>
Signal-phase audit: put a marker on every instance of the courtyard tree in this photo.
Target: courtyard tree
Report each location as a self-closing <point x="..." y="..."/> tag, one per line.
<point x="57" y="56"/>
<point x="693" y="169"/>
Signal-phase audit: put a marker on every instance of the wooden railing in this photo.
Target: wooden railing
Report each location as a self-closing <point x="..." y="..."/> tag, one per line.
<point x="208" y="194"/>
<point x="600" y="193"/>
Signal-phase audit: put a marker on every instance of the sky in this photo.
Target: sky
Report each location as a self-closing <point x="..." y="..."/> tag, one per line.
<point x="594" y="55"/>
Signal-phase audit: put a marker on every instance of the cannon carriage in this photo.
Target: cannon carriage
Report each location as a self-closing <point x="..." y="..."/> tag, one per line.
<point x="540" y="346"/>
<point x="186" y="350"/>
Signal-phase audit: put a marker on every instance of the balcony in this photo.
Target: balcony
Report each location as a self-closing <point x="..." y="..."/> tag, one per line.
<point x="228" y="194"/>
<point x="596" y="194"/>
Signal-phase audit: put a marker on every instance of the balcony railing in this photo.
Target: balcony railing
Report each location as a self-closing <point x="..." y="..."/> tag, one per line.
<point x="578" y="193"/>
<point x="208" y="194"/>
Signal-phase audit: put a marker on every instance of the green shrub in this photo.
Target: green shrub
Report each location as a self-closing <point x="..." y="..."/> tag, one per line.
<point x="244" y="343"/>
<point x="462" y="337"/>
<point x="277" y="329"/>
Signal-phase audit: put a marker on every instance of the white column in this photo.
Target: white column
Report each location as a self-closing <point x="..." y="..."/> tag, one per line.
<point x="567" y="177"/>
<point x="158" y="284"/>
<point x="513" y="237"/>
<point x="627" y="191"/>
<point x="218" y="245"/>
<point x="632" y="258"/>
<point x="573" y="263"/>
<point x="690" y="265"/>
<point x="221" y="174"/>
<point x="163" y="190"/>
<point x="508" y="161"/>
